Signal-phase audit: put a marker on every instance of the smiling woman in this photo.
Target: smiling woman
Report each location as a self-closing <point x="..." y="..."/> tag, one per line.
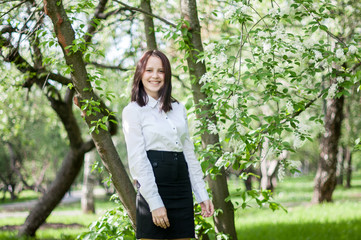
<point x="161" y="155"/>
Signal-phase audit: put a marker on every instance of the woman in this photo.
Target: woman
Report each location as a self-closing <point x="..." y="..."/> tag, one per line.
<point x="161" y="155"/>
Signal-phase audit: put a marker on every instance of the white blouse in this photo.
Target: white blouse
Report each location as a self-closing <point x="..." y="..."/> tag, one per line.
<point x="148" y="128"/>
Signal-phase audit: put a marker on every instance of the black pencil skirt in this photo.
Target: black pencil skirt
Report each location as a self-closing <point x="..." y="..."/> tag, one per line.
<point x="172" y="178"/>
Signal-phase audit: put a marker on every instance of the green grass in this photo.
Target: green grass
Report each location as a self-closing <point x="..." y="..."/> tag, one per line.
<point x="61" y="215"/>
<point x="23" y="196"/>
<point x="339" y="220"/>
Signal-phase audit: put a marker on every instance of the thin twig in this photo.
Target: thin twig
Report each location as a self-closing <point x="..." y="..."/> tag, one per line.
<point x="19" y="4"/>
<point x="147" y="13"/>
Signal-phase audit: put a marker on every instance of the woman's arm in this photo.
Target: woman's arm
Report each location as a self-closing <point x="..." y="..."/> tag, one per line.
<point x="139" y="165"/>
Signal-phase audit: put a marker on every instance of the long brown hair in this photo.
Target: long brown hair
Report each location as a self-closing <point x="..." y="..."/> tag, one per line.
<point x="165" y="93"/>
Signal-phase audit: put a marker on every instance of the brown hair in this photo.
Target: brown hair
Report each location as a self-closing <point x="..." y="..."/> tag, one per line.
<point x="165" y="93"/>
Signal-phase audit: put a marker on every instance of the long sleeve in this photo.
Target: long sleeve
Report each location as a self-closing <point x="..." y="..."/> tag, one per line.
<point x="139" y="165"/>
<point x="194" y="167"/>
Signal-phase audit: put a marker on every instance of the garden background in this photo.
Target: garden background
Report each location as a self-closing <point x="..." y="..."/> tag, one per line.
<point x="272" y="93"/>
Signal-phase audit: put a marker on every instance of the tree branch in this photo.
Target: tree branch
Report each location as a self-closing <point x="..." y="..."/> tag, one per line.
<point x="109" y="66"/>
<point x="17" y="5"/>
<point x="92" y="24"/>
<point x="145" y="12"/>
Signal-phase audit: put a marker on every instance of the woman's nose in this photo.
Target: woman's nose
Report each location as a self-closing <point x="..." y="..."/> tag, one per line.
<point x="155" y="74"/>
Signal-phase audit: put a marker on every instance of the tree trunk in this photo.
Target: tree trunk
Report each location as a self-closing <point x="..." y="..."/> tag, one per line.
<point x="87" y="199"/>
<point x="68" y="172"/>
<point x="348" y="159"/>
<point x="269" y="167"/>
<point x="325" y="180"/>
<point x="148" y="25"/>
<point x="340" y="164"/>
<point x="103" y="142"/>
<point x="248" y="181"/>
<point x="224" y="221"/>
<point x="265" y="181"/>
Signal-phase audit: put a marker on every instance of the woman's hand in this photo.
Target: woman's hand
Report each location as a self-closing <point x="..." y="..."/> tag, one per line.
<point x="207" y="208"/>
<point x="160" y="217"/>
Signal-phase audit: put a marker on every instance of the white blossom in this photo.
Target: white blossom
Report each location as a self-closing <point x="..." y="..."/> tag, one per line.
<point x="297" y="142"/>
<point x="349" y="9"/>
<point x="352" y="49"/>
<point x="221" y="60"/>
<point x="332" y="91"/>
<point x="233" y="101"/>
<point x="273" y="12"/>
<point x="229" y="12"/>
<point x="279" y="32"/>
<point x="340" y="79"/>
<point x="242" y="8"/>
<point x="230" y="112"/>
<point x="230" y="80"/>
<point x="285" y="8"/>
<point x="266" y="47"/>
<point x="339" y="53"/>
<point x="212" y="128"/>
<point x="310" y="41"/>
<point x="209" y="47"/>
<point x="220" y="162"/>
<point x="207" y="77"/>
<point x="299" y="47"/>
<point x="303" y="128"/>
<point x="294" y="164"/>
<point x="240" y="129"/>
<point x="289" y="107"/>
<point x="197" y="123"/>
<point x="318" y="54"/>
<point x="281" y="172"/>
<point x="279" y="69"/>
<point x="262" y="34"/>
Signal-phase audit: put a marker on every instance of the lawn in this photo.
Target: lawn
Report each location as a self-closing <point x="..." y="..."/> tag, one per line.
<point x="338" y="220"/>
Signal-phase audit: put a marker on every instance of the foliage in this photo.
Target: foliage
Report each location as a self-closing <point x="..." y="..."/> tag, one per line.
<point x="114" y="224"/>
<point x="32" y="130"/>
<point x="262" y="77"/>
<point x="268" y="63"/>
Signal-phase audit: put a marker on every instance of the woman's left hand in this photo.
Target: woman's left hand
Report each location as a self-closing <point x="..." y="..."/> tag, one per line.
<point x="207" y="208"/>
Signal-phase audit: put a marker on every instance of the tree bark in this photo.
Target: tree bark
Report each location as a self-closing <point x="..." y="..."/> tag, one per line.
<point x="340" y="164"/>
<point x="349" y="167"/>
<point x="325" y="180"/>
<point x="87" y="199"/>
<point x="224" y="221"/>
<point x="103" y="142"/>
<point x="148" y="25"/>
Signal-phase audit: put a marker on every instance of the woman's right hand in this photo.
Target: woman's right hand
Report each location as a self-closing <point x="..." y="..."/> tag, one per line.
<point x="160" y="217"/>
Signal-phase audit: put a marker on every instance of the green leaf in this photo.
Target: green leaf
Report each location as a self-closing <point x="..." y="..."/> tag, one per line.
<point x="324" y="28"/>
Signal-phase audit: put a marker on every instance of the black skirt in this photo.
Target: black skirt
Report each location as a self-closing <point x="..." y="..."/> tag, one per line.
<point x="172" y="178"/>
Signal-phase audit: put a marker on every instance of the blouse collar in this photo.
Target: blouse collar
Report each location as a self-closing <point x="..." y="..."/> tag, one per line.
<point x="152" y="102"/>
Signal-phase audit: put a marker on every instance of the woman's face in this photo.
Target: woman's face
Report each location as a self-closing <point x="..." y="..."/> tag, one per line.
<point x="153" y="77"/>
